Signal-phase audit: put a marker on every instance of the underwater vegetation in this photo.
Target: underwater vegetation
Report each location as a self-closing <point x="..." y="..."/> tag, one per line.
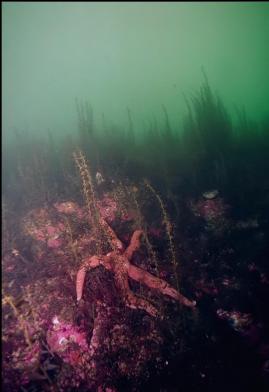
<point x="138" y="264"/>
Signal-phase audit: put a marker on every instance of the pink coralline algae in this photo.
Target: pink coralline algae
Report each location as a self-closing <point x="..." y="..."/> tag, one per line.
<point x="209" y="209"/>
<point x="67" y="341"/>
<point x="239" y="321"/>
<point x="54" y="243"/>
<point x="65" y="226"/>
<point x="38" y="224"/>
<point x="26" y="360"/>
<point x="107" y="208"/>
<point x="213" y="211"/>
<point x="110" y="211"/>
<point x="51" y="226"/>
<point x="69" y="208"/>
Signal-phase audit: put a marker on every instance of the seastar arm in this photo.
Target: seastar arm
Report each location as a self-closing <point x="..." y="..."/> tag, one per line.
<point x="114" y="240"/>
<point x="97" y="330"/>
<point x="89" y="263"/>
<point x="130" y="299"/>
<point x="158" y="284"/>
<point x="135" y="302"/>
<point x="134" y="244"/>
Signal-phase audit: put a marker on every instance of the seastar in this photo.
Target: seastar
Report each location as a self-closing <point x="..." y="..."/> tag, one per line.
<point x="119" y="262"/>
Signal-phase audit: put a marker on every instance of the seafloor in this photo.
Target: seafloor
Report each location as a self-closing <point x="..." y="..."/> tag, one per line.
<point x="213" y="253"/>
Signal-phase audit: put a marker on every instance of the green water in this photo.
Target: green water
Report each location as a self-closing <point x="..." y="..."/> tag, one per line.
<point x="136" y="55"/>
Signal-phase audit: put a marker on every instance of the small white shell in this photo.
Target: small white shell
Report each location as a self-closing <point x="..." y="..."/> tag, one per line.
<point x="211" y="194"/>
<point x="63" y="340"/>
<point x="55" y="320"/>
